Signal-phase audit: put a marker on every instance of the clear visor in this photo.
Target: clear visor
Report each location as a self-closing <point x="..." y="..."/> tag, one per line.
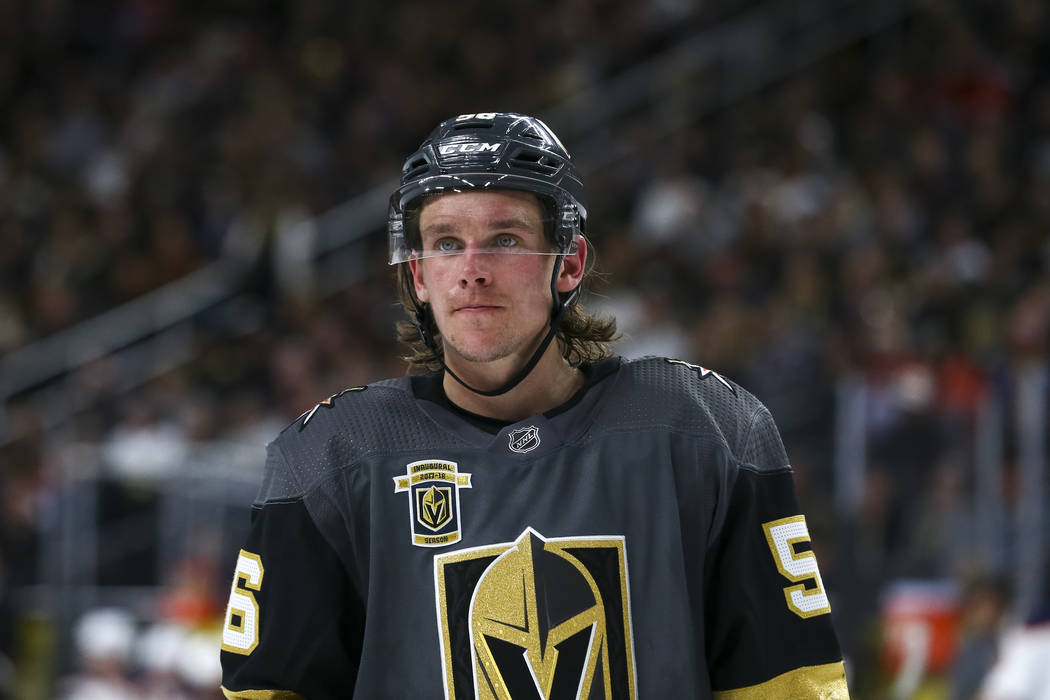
<point x="403" y="223"/>
<point x="420" y="254"/>
<point x="496" y="244"/>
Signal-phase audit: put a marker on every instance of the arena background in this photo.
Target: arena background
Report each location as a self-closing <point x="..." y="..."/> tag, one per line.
<point x="842" y="205"/>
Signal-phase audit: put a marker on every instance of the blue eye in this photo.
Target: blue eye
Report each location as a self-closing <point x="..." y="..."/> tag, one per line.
<point x="506" y="241"/>
<point x="447" y="245"/>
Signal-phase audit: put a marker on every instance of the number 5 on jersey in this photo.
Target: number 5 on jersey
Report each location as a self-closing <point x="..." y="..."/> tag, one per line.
<point x="240" y="634"/>
<point x="782" y="536"/>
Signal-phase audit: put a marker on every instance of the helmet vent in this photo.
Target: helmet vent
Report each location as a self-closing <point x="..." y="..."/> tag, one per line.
<point x="472" y="124"/>
<point x="415" y="168"/>
<point x="535" y="161"/>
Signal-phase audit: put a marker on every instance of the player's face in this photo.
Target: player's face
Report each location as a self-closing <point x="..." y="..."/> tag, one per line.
<point x="487" y="305"/>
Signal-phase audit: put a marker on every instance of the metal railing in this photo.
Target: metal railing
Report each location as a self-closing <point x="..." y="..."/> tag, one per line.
<point x="1007" y="539"/>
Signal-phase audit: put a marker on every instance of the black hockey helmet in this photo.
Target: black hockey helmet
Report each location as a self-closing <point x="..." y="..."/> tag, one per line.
<point x="488" y="151"/>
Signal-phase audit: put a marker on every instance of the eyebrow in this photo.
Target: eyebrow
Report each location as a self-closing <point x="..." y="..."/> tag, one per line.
<point x="438" y="229"/>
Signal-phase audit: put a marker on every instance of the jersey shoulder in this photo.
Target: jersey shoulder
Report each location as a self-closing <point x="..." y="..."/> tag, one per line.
<point x="344" y="429"/>
<point x="688" y="397"/>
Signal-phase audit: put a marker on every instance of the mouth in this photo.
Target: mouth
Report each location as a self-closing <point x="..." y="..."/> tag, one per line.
<point x="477" y="308"/>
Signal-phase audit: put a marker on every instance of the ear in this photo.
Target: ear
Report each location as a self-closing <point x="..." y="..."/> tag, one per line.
<point x="416" y="267"/>
<point x="572" y="266"/>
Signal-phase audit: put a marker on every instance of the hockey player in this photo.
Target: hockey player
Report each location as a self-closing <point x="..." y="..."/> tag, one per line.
<point x="530" y="516"/>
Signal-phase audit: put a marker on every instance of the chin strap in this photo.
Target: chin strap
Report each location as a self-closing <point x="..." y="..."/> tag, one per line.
<point x="557" y="314"/>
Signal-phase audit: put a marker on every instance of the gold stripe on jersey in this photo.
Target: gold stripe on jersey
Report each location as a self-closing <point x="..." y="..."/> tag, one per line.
<point x="260" y="694"/>
<point x="824" y="682"/>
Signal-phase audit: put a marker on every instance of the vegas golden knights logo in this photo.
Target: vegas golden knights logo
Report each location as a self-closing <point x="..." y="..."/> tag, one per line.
<point x="433" y="504"/>
<point x="536" y="618"/>
<point x="434" y="507"/>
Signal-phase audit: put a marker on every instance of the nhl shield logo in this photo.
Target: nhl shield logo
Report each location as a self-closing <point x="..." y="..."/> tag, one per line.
<point x="524" y="440"/>
<point x="433" y="504"/>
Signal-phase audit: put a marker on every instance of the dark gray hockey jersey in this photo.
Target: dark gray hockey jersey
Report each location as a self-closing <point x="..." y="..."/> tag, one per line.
<point x="644" y="543"/>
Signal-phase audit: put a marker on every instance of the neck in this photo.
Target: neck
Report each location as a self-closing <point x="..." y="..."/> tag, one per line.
<point x="551" y="383"/>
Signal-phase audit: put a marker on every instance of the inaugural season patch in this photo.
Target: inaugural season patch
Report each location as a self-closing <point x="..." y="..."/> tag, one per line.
<point x="433" y="501"/>
<point x="536" y="618"/>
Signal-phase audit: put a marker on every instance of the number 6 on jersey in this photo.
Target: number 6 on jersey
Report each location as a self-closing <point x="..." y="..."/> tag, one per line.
<point x="240" y="634"/>
<point x="782" y="536"/>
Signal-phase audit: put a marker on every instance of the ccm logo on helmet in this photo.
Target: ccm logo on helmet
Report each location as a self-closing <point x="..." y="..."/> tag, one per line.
<point x="450" y="148"/>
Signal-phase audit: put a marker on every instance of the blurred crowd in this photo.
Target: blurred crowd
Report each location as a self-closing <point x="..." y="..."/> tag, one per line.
<point x="881" y="215"/>
<point x="144" y="137"/>
<point x="121" y="658"/>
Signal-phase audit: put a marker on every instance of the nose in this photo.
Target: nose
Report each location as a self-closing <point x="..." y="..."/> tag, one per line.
<point x="474" y="270"/>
